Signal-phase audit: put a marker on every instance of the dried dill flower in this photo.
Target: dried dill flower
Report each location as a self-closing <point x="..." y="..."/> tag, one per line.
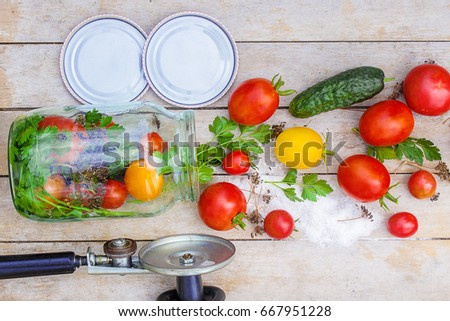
<point x="435" y="197"/>
<point x="259" y="230"/>
<point x="365" y="213"/>
<point x="276" y="130"/>
<point x="267" y="197"/>
<point x="443" y="171"/>
<point x="254" y="179"/>
<point x="396" y="92"/>
<point x="255" y="217"/>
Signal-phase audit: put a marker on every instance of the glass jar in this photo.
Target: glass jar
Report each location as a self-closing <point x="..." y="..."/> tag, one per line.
<point x="101" y="161"/>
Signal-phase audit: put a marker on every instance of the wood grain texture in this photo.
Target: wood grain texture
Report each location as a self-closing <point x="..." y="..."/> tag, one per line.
<point x="32" y="78"/>
<point x="338" y="124"/>
<point x="264" y="270"/>
<point x="183" y="218"/>
<point x="285" y="20"/>
<point x="305" y="41"/>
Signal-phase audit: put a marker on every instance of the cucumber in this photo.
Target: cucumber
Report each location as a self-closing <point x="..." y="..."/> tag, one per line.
<point x="342" y="90"/>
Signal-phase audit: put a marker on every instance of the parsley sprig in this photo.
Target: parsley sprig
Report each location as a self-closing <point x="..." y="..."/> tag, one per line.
<point x="414" y="149"/>
<point x="33" y="159"/>
<point x="312" y="187"/>
<point x="230" y="136"/>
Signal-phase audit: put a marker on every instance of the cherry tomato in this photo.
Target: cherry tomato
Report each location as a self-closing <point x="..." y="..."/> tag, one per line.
<point x="279" y="224"/>
<point x="236" y="162"/>
<point x="142" y="181"/>
<point x="255" y="100"/>
<point x="427" y="90"/>
<point x="62" y="123"/>
<point x="115" y="194"/>
<point x="299" y="147"/>
<point x="153" y="142"/>
<point x="55" y="186"/>
<point x="403" y="224"/>
<point x="363" y="177"/>
<point x="219" y="204"/>
<point x="422" y="184"/>
<point x="386" y="123"/>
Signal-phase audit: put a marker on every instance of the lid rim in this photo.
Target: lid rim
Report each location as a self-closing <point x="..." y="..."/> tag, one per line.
<point x="235" y="56"/>
<point x="77" y="28"/>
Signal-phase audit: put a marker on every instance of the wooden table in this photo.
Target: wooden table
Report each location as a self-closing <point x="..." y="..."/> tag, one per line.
<point x="305" y="41"/>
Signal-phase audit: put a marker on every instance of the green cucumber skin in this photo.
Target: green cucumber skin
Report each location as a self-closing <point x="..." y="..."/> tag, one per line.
<point x="342" y="90"/>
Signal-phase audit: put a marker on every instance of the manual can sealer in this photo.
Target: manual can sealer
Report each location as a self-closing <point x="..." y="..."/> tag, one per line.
<point x="186" y="256"/>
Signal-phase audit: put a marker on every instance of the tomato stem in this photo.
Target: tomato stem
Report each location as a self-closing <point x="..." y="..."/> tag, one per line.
<point x="389" y="79"/>
<point x="389" y="197"/>
<point x="277" y="83"/>
<point x="238" y="220"/>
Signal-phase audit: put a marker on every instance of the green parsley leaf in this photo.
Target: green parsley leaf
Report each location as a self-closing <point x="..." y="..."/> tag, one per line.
<point x="313" y="187"/>
<point x="262" y="133"/>
<point x="414" y="149"/>
<point x="205" y="174"/>
<point x="105" y="121"/>
<point x="381" y="153"/>
<point x="291" y="194"/>
<point x="92" y="117"/>
<point x="222" y="125"/>
<point x="226" y="139"/>
<point x="430" y="151"/>
<point x="291" y="177"/>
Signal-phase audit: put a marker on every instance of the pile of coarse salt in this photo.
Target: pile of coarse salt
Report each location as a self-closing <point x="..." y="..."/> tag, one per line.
<point x="330" y="220"/>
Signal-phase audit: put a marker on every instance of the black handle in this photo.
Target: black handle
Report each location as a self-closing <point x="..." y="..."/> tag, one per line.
<point x="19" y="266"/>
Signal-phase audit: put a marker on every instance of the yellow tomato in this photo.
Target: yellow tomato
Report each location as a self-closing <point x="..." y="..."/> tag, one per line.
<point x="142" y="181"/>
<point x="299" y="147"/>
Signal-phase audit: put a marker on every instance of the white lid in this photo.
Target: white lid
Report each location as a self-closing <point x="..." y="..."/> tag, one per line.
<point x="101" y="60"/>
<point x="190" y="59"/>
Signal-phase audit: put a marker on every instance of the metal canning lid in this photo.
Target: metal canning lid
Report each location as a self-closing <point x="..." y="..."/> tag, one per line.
<point x="101" y="60"/>
<point x="188" y="254"/>
<point x="190" y="59"/>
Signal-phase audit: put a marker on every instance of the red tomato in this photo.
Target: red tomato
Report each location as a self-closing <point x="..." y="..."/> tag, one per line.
<point x="386" y="123"/>
<point x="236" y="162"/>
<point x="255" y="100"/>
<point x="219" y="204"/>
<point x="62" y="123"/>
<point x="422" y="184"/>
<point x="403" y="224"/>
<point x="279" y="224"/>
<point x="115" y="194"/>
<point x="427" y="90"/>
<point x="363" y="177"/>
<point x="153" y="142"/>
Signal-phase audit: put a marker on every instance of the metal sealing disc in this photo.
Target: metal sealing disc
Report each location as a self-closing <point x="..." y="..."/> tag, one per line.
<point x="189" y="254"/>
<point x="190" y="59"/>
<point x="121" y="247"/>
<point x="101" y="60"/>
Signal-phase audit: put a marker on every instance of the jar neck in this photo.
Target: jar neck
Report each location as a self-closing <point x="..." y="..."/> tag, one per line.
<point x="187" y="149"/>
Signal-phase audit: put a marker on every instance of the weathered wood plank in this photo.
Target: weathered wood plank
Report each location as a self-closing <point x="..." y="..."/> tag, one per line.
<point x="286" y="20"/>
<point x="338" y="123"/>
<point x="183" y="218"/>
<point x="29" y="74"/>
<point x="264" y="270"/>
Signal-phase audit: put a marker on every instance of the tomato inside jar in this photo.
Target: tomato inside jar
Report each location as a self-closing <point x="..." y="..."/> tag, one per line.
<point x="76" y="163"/>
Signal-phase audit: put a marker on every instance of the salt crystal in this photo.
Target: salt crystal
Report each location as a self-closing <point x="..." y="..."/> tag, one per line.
<point x="326" y="222"/>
